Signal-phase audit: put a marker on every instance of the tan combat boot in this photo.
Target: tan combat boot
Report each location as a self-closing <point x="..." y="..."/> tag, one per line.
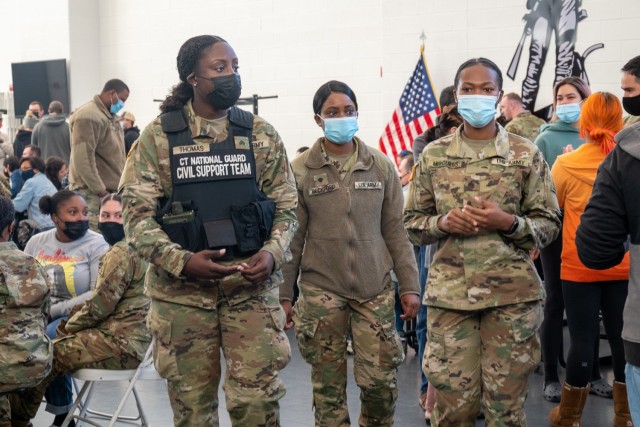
<point x="622" y="417"/>
<point x="569" y="413"/>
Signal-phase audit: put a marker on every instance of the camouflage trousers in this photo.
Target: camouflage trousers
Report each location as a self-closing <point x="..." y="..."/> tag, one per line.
<point x="93" y="205"/>
<point x="89" y="348"/>
<point x="323" y="321"/>
<point x="187" y="343"/>
<point x="481" y="355"/>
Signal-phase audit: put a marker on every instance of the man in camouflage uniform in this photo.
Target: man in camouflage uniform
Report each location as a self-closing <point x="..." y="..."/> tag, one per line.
<point x="194" y="314"/>
<point x="483" y="292"/>
<point x="521" y="122"/>
<point x="107" y="332"/>
<point x="24" y="304"/>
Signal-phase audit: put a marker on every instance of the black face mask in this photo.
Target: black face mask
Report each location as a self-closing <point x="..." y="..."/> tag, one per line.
<point x="631" y="105"/>
<point x="226" y="91"/>
<point x="75" y="229"/>
<point x="112" y="231"/>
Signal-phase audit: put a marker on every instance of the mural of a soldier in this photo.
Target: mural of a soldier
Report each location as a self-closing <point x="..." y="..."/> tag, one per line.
<point x="547" y="17"/>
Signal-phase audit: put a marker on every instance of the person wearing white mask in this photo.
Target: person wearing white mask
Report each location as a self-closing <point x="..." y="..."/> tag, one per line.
<point x="486" y="197"/>
<point x="350" y="236"/>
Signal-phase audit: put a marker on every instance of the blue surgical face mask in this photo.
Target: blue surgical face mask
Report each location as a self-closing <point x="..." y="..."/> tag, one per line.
<point x="477" y="110"/>
<point x="27" y="174"/>
<point x="568" y="113"/>
<point x="341" y="130"/>
<point x="117" y="106"/>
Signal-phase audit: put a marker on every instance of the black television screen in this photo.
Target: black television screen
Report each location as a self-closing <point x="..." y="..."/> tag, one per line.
<point x="43" y="81"/>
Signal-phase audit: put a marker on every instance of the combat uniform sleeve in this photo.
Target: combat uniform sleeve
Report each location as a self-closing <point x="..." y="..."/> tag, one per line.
<point x="116" y="269"/>
<point x="291" y="269"/>
<point x="277" y="182"/>
<point x="84" y="139"/>
<point x="141" y="187"/>
<point x="420" y="213"/>
<point x="395" y="237"/>
<point x="539" y="223"/>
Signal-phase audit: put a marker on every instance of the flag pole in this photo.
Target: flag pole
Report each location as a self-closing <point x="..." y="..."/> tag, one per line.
<point x="423" y="37"/>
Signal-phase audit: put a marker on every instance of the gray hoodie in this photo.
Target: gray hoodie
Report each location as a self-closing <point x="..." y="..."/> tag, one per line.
<point x="53" y="137"/>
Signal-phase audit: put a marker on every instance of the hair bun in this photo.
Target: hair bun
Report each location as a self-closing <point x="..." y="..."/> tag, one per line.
<point x="46" y="205"/>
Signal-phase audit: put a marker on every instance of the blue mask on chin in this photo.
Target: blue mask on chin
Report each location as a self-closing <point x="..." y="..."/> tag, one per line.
<point x="341" y="130"/>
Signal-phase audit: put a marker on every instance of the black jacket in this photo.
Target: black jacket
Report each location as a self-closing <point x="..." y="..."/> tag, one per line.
<point x="23" y="138"/>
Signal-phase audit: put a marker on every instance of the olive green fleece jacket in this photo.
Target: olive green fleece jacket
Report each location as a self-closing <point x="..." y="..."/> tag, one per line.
<point x="350" y="232"/>
<point x="97" y="148"/>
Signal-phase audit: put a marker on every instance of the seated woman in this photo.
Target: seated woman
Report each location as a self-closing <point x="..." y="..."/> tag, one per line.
<point x="70" y="254"/>
<point x="109" y="330"/>
<point x="56" y="171"/>
<point x="36" y="186"/>
<point x="24" y="304"/>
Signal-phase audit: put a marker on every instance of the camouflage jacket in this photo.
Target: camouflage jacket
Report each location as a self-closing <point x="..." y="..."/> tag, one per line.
<point x="525" y="125"/>
<point x="147" y="178"/>
<point x="25" y="350"/>
<point x="118" y="306"/>
<point x="350" y="234"/>
<point x="488" y="269"/>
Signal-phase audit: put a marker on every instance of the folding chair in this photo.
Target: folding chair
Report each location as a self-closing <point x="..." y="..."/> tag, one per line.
<point x="145" y="371"/>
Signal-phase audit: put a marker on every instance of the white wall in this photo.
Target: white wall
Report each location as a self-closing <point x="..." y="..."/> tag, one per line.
<point x="289" y="47"/>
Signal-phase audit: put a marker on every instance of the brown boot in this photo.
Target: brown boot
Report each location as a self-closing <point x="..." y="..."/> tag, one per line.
<point x="569" y="413"/>
<point x="622" y="417"/>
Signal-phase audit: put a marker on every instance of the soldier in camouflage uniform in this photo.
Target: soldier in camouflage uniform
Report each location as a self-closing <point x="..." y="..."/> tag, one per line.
<point x="25" y="350"/>
<point x="521" y="122"/>
<point x="201" y="304"/>
<point x="350" y="237"/>
<point x="487" y="197"/>
<point x="108" y="331"/>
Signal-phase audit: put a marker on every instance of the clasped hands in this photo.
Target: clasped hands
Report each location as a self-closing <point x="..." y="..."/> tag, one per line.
<point x="471" y="220"/>
<point x="202" y="265"/>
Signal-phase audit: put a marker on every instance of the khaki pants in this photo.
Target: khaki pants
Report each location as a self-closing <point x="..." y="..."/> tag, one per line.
<point x="323" y="322"/>
<point x="481" y="355"/>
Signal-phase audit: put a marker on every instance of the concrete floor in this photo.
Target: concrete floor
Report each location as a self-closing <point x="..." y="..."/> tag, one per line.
<point x="296" y="405"/>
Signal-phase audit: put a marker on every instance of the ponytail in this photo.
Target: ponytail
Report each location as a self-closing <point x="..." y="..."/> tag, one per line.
<point x="178" y="98"/>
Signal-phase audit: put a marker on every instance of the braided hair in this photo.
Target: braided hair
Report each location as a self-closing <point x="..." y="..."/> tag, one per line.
<point x="187" y="60"/>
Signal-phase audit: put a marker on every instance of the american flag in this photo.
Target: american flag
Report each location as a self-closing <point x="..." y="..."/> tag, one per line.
<point x="416" y="112"/>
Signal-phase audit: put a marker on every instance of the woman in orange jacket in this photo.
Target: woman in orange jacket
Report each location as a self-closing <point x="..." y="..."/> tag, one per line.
<point x="587" y="291"/>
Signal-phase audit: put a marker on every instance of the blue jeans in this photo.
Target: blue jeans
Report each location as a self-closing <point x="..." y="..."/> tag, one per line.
<point x="421" y="327"/>
<point x="632" y="374"/>
<point x="59" y="394"/>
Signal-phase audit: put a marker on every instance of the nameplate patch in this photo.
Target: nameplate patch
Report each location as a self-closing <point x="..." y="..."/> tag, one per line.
<point x="194" y="148"/>
<point x="368" y="185"/>
<point x="448" y="164"/>
<point x="223" y="164"/>
<point x="503" y="162"/>
<point x="323" y="189"/>
<point x="259" y="144"/>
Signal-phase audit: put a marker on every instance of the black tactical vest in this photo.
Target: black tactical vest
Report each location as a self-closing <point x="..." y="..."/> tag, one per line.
<point x="216" y="202"/>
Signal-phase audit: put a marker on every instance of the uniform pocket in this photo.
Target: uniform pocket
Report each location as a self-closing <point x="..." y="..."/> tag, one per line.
<point x="525" y="354"/>
<point x="391" y="351"/>
<point x="164" y="358"/>
<point x="434" y="362"/>
<point x="281" y="350"/>
<point x="306" y="328"/>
